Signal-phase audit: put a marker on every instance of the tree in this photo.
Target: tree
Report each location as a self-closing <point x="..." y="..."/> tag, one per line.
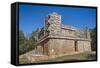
<point x="21" y="37"/>
<point x="26" y="43"/>
<point x="33" y="36"/>
<point x="93" y="39"/>
<point x="32" y="40"/>
<point x="21" y="42"/>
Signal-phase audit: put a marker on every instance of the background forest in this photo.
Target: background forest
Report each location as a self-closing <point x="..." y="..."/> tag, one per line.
<point x="26" y="43"/>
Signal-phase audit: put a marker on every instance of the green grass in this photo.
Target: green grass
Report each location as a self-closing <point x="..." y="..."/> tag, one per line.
<point x="23" y="60"/>
<point x="75" y="57"/>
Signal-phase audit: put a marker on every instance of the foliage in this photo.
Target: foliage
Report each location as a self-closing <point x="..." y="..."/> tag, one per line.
<point x="33" y="36"/>
<point x="21" y="37"/>
<point x="21" y="42"/>
<point x="23" y="60"/>
<point x="93" y="39"/>
<point x="26" y="44"/>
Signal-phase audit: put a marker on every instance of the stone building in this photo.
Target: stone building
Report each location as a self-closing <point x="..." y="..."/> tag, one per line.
<point x="56" y="39"/>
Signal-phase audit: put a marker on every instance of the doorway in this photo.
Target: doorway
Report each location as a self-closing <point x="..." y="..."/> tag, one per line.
<point x="76" y="46"/>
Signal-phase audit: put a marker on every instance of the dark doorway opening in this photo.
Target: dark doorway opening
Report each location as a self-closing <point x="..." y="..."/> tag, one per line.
<point x="76" y="46"/>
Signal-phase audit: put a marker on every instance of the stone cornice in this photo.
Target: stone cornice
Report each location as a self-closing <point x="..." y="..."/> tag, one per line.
<point x="61" y="37"/>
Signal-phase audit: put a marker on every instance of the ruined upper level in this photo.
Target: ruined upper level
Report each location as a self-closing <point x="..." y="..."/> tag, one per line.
<point x="54" y="27"/>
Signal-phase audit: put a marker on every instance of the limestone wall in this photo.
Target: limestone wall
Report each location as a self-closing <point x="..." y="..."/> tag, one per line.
<point x="67" y="32"/>
<point x="84" y="46"/>
<point x="45" y="45"/>
<point x="58" y="47"/>
<point x="42" y="47"/>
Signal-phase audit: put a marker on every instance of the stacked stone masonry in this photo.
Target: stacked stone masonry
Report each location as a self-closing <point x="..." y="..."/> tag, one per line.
<point x="56" y="39"/>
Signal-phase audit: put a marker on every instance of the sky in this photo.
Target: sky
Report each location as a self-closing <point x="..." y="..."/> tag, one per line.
<point x="33" y="16"/>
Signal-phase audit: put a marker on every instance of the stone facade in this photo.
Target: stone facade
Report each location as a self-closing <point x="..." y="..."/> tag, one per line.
<point x="56" y="39"/>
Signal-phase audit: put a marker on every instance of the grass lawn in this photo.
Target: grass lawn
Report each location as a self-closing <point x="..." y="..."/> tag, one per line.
<point x="75" y="57"/>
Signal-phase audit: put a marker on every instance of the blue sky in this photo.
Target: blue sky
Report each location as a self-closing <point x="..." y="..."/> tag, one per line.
<point x="33" y="16"/>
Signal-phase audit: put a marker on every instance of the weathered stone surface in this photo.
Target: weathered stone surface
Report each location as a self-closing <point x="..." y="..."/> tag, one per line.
<point x="61" y="39"/>
<point x="60" y="46"/>
<point x="84" y="46"/>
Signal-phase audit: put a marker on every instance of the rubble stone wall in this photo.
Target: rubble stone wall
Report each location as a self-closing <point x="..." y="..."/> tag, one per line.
<point x="69" y="39"/>
<point x="84" y="46"/>
<point x="58" y="47"/>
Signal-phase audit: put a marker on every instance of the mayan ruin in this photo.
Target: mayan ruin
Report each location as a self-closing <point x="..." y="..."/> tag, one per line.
<point x="57" y="39"/>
